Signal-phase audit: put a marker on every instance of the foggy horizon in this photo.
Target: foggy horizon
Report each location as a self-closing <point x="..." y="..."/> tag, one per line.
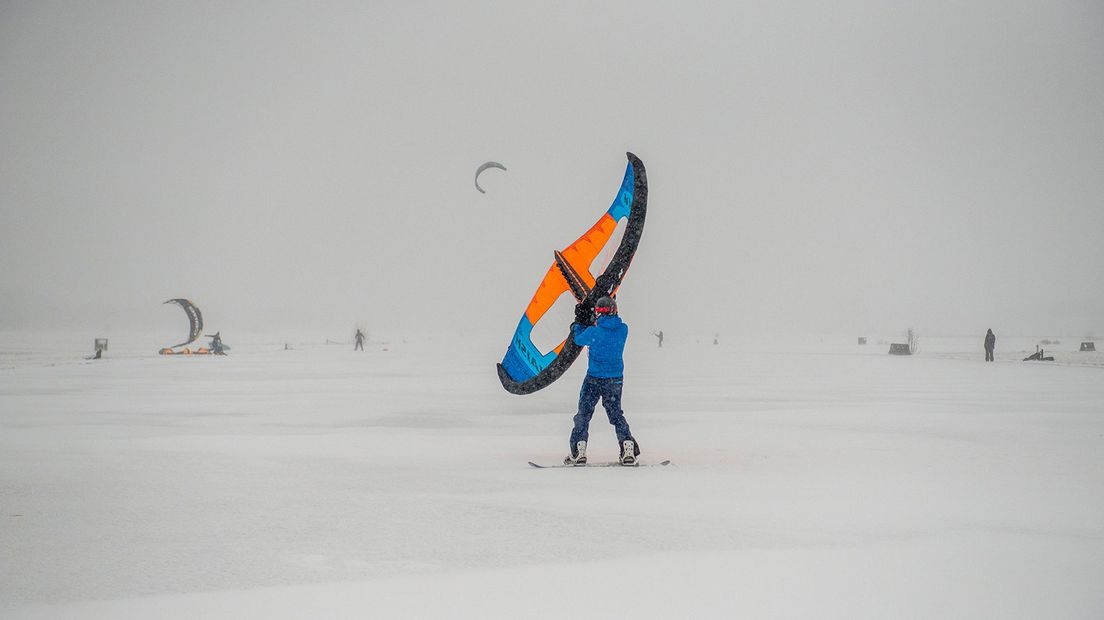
<point x="847" y="169"/>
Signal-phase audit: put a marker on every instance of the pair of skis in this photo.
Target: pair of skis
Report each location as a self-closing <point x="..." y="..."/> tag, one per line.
<point x="604" y="464"/>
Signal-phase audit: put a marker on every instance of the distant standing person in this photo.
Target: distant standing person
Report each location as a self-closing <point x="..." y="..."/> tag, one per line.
<point x="659" y="335"/>
<point x="359" y="340"/>
<point x="990" y="344"/>
<point x="216" y="345"/>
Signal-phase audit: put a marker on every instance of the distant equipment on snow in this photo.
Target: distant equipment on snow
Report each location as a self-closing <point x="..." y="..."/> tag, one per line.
<point x="904" y="348"/>
<point x="1038" y="356"/>
<point x="195" y="320"/>
<point x="1088" y="346"/>
<point x="195" y="328"/>
<point x="862" y="339"/>
<point x="101" y="346"/>
<point x="480" y="169"/>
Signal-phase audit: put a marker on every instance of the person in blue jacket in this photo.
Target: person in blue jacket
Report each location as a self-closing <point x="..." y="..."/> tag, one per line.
<point x="605" y="340"/>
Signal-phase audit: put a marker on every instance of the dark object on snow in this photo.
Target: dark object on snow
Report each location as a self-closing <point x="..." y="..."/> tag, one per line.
<point x="1088" y="346"/>
<point x="990" y="345"/>
<point x="1038" y="356"/>
<point x="862" y="340"/>
<point x="359" y="340"/>
<point x="908" y="348"/>
<point x="101" y="346"/>
<point x="195" y="320"/>
<point x="659" y="335"/>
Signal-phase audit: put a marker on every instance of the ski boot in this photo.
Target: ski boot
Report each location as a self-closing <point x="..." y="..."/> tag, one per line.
<point x="579" y="458"/>
<point x="628" y="452"/>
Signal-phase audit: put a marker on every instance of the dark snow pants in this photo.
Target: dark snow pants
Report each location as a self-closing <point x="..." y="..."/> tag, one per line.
<point x="988" y="354"/>
<point x="609" y="390"/>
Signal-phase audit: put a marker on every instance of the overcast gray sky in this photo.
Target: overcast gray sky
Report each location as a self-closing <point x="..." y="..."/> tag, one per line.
<point x="840" y="167"/>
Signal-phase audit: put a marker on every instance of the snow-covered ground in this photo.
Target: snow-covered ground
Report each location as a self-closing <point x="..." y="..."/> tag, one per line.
<point x="811" y="479"/>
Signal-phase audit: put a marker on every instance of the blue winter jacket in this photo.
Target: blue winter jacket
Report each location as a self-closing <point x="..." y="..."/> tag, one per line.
<point x="607" y="346"/>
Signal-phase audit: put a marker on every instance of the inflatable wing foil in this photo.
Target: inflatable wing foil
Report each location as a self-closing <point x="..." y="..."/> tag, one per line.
<point x="526" y="369"/>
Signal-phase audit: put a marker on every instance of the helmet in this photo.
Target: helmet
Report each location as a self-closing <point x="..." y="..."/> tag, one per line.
<point x="605" y="305"/>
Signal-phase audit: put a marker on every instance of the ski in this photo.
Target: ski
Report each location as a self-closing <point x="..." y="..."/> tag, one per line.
<point x="603" y="464"/>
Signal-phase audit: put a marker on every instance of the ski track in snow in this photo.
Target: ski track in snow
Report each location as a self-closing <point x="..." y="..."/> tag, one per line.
<point x="818" y="479"/>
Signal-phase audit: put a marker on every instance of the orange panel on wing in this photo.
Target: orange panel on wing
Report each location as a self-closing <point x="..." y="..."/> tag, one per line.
<point x="582" y="253"/>
<point x="551" y="287"/>
<point x="579" y="255"/>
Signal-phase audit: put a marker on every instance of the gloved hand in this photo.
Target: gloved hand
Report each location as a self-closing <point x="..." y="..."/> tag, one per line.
<point x="584" y="313"/>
